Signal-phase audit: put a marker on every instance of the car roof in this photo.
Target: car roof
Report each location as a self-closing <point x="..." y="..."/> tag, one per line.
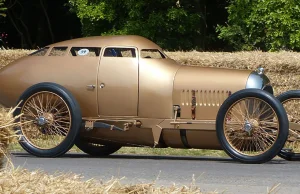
<point x="104" y="41"/>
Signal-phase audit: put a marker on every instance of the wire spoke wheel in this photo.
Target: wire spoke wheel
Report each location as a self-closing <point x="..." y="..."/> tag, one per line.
<point x="47" y="120"/>
<point x="50" y="120"/>
<point x="251" y="126"/>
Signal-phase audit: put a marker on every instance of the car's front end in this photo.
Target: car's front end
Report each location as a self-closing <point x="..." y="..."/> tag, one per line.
<point x="200" y="91"/>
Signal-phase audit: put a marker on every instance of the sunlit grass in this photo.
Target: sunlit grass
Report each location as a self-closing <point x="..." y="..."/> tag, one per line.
<point x="15" y="147"/>
<point x="171" y="152"/>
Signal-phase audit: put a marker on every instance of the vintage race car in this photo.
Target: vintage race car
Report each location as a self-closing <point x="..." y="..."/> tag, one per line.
<point x="102" y="93"/>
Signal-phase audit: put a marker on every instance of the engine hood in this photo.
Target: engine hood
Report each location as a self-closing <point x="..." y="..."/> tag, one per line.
<point x="207" y="78"/>
<point x="204" y="89"/>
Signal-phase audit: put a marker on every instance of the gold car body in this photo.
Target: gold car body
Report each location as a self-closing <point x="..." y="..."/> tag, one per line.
<point x="158" y="102"/>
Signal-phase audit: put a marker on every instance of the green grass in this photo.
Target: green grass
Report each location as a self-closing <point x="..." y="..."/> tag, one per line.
<point x="15" y="147"/>
<point x="171" y="152"/>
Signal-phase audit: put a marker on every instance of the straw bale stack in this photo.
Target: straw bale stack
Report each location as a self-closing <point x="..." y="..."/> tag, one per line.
<point x="7" y="56"/>
<point x="23" y="181"/>
<point x="7" y="133"/>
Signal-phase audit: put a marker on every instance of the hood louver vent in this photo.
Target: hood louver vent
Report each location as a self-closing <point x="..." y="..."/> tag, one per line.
<point x="198" y="98"/>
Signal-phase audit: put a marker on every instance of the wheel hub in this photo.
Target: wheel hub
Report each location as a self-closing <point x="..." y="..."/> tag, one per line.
<point x="248" y="127"/>
<point x="46" y="118"/>
<point x="41" y="121"/>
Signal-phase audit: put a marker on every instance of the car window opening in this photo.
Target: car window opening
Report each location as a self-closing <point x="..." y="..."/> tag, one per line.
<point x="120" y="52"/>
<point x="58" y="51"/>
<point x="85" y="51"/>
<point x="152" y="54"/>
<point x="40" y="52"/>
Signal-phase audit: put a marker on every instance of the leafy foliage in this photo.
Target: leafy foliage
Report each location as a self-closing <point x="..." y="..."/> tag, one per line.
<point x="2" y="8"/>
<point x="171" y="24"/>
<point x="262" y="24"/>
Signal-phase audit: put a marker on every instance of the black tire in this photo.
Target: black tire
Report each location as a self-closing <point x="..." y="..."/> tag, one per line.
<point x="281" y="132"/>
<point x="289" y="154"/>
<point x="96" y="150"/>
<point x="73" y="114"/>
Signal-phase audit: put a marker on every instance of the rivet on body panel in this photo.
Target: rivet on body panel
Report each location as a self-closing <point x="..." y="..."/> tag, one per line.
<point x="102" y="85"/>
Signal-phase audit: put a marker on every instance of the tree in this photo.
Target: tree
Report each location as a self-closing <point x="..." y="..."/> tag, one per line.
<point x="262" y="24"/>
<point x="37" y="23"/>
<point x="171" y="24"/>
<point x="2" y="8"/>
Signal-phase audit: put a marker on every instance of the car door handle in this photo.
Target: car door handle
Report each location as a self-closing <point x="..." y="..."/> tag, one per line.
<point x="90" y="87"/>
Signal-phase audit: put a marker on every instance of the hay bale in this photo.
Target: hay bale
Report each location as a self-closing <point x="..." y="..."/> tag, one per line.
<point x="279" y="62"/>
<point x="8" y="56"/>
<point x="7" y="133"/>
<point x="24" y="181"/>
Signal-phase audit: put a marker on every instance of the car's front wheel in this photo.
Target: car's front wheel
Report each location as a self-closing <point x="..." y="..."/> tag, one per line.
<point x="252" y="126"/>
<point x="50" y="120"/>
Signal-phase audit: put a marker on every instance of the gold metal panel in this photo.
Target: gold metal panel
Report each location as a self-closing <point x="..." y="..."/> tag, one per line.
<point x="74" y="73"/>
<point x="203" y="139"/>
<point x="172" y="138"/>
<point x="211" y="86"/>
<point x="209" y="101"/>
<point x="118" y="86"/>
<point x="133" y="137"/>
<point x="103" y="41"/>
<point x="156" y="78"/>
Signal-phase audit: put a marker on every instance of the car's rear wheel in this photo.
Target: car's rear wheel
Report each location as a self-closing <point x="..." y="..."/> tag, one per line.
<point x="50" y="120"/>
<point x="291" y="102"/>
<point x="96" y="149"/>
<point x="252" y="126"/>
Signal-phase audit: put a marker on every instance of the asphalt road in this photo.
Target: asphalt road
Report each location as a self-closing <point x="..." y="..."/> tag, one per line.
<point x="212" y="174"/>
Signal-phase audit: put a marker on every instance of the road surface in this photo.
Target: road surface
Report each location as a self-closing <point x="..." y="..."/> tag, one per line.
<point x="211" y="174"/>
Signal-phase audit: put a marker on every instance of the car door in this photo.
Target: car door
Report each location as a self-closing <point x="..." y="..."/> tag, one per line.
<point x="118" y="82"/>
